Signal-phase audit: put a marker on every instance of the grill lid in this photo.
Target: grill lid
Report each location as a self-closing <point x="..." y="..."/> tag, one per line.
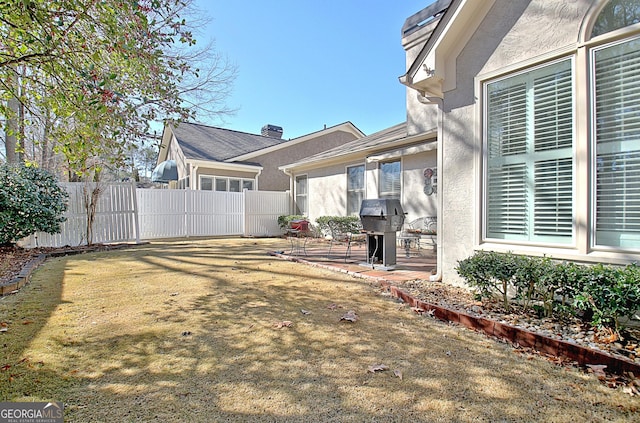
<point x="381" y="215"/>
<point x="381" y="208"/>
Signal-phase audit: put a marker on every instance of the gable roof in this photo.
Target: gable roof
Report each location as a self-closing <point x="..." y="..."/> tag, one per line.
<point x="437" y="59"/>
<point x="202" y="142"/>
<point x="382" y="140"/>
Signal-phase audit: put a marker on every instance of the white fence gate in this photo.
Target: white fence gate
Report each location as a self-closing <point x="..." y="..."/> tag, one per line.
<point x="127" y="214"/>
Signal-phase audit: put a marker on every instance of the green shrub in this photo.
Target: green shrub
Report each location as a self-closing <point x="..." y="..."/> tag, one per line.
<point x="609" y="293"/>
<point x="30" y="201"/>
<point x="345" y="224"/>
<point x="602" y="293"/>
<point x="490" y="273"/>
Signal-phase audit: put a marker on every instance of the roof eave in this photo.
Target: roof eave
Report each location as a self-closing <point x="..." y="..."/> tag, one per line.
<point x="357" y="154"/>
<point x="223" y="165"/>
<point x="427" y="74"/>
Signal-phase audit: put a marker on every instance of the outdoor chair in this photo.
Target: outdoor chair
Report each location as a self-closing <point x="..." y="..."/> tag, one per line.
<point x="419" y="232"/>
<point x="344" y="234"/>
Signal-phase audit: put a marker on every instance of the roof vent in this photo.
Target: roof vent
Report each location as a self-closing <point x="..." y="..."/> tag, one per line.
<point x="272" y="131"/>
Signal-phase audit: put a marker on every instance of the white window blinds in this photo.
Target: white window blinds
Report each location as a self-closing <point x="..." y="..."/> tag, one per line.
<point x="530" y="156"/>
<point x="617" y="124"/>
<point x="390" y="184"/>
<point x="301" y="187"/>
<point x="355" y="189"/>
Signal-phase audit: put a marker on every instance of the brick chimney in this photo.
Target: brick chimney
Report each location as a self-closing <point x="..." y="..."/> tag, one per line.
<point x="272" y="131"/>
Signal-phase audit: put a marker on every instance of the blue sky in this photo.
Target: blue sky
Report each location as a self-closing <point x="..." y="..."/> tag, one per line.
<point x="302" y="65"/>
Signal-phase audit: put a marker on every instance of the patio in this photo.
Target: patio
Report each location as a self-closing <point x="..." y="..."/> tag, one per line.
<point x="410" y="265"/>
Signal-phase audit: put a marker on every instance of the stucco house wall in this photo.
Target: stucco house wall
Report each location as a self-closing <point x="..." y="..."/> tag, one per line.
<point x="415" y="202"/>
<point x="511" y="33"/>
<point x="496" y="39"/>
<point x="327" y="178"/>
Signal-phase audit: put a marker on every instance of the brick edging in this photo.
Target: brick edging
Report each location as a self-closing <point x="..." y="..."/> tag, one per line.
<point x="23" y="277"/>
<point x="514" y="335"/>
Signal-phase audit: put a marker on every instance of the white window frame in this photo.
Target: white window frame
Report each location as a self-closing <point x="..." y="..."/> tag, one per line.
<point x="302" y="197"/>
<point x="623" y="231"/>
<point x="393" y="193"/>
<point x="242" y="181"/>
<point x="358" y="191"/>
<point x="527" y="227"/>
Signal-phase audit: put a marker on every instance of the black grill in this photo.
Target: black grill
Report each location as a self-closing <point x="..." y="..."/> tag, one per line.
<point x="381" y="219"/>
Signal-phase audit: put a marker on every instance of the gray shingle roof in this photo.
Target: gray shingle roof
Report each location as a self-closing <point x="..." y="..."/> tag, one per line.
<point x="201" y="142"/>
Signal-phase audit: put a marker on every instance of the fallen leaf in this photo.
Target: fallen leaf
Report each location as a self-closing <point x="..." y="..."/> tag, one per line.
<point x="27" y="322"/>
<point x="4" y="324"/>
<point x="283" y="324"/>
<point x="350" y="316"/>
<point x="397" y="373"/>
<point x="598" y="370"/>
<point x="378" y="368"/>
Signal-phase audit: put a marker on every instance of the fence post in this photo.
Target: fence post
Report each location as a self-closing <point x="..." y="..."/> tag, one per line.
<point x="188" y="206"/>
<point x="136" y="218"/>
<point x="245" y="218"/>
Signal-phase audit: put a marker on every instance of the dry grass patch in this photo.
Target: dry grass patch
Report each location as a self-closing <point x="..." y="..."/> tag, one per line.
<point x="193" y="331"/>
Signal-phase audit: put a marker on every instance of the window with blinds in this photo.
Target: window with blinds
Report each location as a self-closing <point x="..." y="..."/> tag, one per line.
<point x="529" y="135"/>
<point x="617" y="126"/>
<point x="302" y="196"/>
<point x="355" y="189"/>
<point x="390" y="180"/>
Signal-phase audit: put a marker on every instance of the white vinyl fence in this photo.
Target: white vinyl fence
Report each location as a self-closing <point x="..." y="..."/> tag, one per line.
<point x="127" y="214"/>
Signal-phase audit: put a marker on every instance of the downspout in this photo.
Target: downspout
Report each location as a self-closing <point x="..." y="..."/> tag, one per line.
<point x="258" y="179"/>
<point x="440" y="201"/>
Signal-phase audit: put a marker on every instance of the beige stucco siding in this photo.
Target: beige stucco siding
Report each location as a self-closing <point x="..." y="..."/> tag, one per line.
<point x="414" y="200"/>
<point x="328" y="186"/>
<point x="328" y="191"/>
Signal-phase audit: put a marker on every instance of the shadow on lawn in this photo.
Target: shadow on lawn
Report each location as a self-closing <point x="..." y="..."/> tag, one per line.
<point x="24" y="315"/>
<point x="218" y="355"/>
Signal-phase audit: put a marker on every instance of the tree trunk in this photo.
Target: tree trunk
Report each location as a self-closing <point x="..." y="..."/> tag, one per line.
<point x="12" y="129"/>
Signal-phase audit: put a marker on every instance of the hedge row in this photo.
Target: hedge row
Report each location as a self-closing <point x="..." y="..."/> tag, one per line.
<point x="599" y="293"/>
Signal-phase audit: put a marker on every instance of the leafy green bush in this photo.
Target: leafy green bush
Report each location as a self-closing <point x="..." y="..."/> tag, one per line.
<point x="345" y="224"/>
<point x="602" y="293"/>
<point x="609" y="293"/>
<point x="30" y="201"/>
<point x="490" y="273"/>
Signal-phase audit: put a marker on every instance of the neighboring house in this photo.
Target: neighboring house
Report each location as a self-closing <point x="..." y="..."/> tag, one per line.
<point x="209" y="158"/>
<point x="537" y="104"/>
<point x="387" y="164"/>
